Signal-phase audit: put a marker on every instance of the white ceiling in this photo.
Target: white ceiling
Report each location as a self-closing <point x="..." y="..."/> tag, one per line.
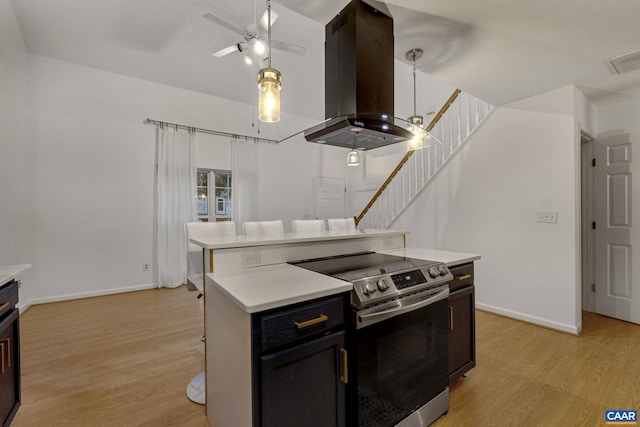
<point x="498" y="50"/>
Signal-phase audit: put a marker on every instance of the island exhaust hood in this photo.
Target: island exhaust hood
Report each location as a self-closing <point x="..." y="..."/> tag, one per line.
<point x="359" y="81"/>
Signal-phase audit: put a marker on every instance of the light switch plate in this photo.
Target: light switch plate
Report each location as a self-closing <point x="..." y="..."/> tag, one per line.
<point x="549" y="217"/>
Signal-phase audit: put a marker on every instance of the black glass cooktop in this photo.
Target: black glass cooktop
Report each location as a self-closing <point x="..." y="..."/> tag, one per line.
<point x="359" y="265"/>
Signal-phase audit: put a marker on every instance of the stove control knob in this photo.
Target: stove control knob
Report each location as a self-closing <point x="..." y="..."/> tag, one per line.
<point x="369" y="288"/>
<point x="382" y="285"/>
<point x="434" y="272"/>
<point x="443" y="270"/>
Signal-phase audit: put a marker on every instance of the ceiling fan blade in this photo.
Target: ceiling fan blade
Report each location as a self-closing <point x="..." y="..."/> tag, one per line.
<point x="213" y="18"/>
<point x="288" y="47"/>
<point x="226" y="51"/>
<point x="264" y="20"/>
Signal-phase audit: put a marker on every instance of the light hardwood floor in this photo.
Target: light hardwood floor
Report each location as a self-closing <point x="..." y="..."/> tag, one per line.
<point x="125" y="360"/>
<point x="118" y="360"/>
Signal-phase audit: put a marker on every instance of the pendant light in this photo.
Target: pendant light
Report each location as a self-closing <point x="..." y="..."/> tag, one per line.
<point x="269" y="83"/>
<point x="352" y="158"/>
<point x="416" y="120"/>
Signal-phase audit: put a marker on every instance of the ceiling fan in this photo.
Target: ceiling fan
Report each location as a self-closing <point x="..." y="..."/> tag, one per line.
<point x="253" y="38"/>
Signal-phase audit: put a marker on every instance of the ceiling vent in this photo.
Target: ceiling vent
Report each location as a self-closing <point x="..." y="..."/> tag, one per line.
<point x="626" y="63"/>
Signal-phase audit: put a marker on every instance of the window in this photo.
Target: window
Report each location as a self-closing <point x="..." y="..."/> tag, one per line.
<point x="214" y="195"/>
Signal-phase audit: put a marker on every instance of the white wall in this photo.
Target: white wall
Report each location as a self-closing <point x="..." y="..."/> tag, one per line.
<point x="92" y="168"/>
<point x="523" y="159"/>
<point x="286" y="179"/>
<point x="16" y="210"/>
<point x="620" y="114"/>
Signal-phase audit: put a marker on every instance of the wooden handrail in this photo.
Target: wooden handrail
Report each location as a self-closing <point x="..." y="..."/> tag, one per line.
<point x="406" y="157"/>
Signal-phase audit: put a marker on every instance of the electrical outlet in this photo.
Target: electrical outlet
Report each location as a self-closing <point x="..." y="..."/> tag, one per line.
<point x="145" y="267"/>
<point x="549" y="217"/>
<point x="250" y="258"/>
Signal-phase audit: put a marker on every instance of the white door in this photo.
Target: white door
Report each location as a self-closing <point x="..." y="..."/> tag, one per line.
<point x="329" y="197"/>
<point x="615" y="290"/>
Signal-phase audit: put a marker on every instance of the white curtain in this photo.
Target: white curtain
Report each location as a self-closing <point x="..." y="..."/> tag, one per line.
<point x="176" y="201"/>
<point x="246" y="186"/>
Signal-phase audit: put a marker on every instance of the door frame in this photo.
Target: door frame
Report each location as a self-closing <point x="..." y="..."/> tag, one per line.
<point x="587" y="154"/>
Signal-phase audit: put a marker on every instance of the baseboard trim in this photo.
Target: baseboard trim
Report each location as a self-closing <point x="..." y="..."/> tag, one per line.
<point x="563" y="327"/>
<point x="35" y="301"/>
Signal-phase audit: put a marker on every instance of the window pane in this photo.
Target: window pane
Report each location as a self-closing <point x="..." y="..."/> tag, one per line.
<point x="203" y="207"/>
<point x="202" y="179"/>
<point x="222" y="180"/>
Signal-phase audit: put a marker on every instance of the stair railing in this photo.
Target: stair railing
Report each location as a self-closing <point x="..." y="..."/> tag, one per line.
<point x="451" y="127"/>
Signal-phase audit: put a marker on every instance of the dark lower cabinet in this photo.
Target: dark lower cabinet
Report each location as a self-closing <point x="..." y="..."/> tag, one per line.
<point x="462" y="333"/>
<point x="9" y="354"/>
<point x="301" y="365"/>
<point x="302" y="386"/>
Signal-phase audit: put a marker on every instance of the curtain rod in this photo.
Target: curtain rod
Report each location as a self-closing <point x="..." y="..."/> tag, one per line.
<point x="211" y="132"/>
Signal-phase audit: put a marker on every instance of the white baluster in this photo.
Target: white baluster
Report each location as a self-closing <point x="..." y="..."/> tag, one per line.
<point x="414" y="163"/>
<point x="447" y="154"/>
<point x="459" y="104"/>
<point x="422" y="164"/>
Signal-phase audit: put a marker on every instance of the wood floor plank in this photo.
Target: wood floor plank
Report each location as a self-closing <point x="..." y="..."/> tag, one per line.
<point x="125" y="360"/>
<point x="119" y="360"/>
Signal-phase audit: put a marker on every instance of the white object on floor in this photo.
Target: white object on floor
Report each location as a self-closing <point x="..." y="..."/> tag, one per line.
<point x="196" y="390"/>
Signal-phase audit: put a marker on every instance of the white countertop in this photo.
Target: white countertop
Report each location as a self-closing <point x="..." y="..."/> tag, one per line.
<point x="257" y="289"/>
<point x="241" y="241"/>
<point x="447" y="257"/>
<point x="10" y="272"/>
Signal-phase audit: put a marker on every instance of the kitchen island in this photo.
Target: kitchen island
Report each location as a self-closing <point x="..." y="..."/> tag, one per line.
<point x="240" y="300"/>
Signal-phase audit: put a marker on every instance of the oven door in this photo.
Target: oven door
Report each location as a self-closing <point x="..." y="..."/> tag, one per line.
<point x="401" y="357"/>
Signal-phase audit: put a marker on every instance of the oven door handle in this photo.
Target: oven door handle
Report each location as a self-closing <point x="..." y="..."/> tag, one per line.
<point x="365" y="319"/>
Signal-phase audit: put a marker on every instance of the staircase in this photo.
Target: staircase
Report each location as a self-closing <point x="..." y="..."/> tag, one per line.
<point x="450" y="129"/>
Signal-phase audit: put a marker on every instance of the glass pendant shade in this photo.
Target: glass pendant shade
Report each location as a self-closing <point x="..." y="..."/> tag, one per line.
<point x="353" y="159"/>
<point x="269" y="85"/>
<point x="416" y="142"/>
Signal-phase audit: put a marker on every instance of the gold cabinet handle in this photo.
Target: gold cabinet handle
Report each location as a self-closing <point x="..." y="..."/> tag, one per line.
<point x="311" y="322"/>
<point x="2" y="306"/>
<point x="463" y="277"/>
<point x="2" y="357"/>
<point x="5" y="353"/>
<point x="345" y="366"/>
<point x="451" y="318"/>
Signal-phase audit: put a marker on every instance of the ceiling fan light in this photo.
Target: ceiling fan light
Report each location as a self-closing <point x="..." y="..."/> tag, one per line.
<point x="248" y="60"/>
<point x="258" y="47"/>
<point x="353" y="159"/>
<point x="269" y="86"/>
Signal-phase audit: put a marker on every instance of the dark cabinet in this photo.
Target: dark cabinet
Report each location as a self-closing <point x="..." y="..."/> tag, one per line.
<point x="300" y="370"/>
<point x="9" y="353"/>
<point x="462" y="334"/>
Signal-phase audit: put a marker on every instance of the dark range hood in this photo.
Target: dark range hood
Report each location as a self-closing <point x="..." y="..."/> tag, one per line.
<point x="359" y="81"/>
